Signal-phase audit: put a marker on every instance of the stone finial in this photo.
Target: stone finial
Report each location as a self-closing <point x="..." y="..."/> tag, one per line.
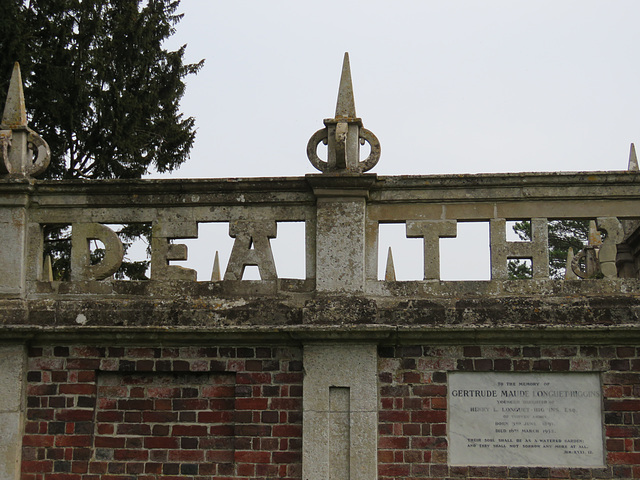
<point x="633" y="159"/>
<point x="569" y="274"/>
<point x="390" y="272"/>
<point x="346" y="105"/>
<point x="15" y="113"/>
<point x="216" y="276"/>
<point x="344" y="134"/>
<point x="23" y="151"/>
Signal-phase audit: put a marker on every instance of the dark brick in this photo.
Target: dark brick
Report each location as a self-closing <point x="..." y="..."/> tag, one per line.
<point x="246" y="353"/>
<point x="620" y="365"/>
<point x="181" y="366"/>
<point x="502" y="365"/>
<point x="61" y="352"/>
<point x="171" y="468"/>
<point x="409" y="351"/>
<point x="542" y="365"/>
<point x="465" y="365"/>
<point x="408" y="363"/>
<point x="126" y="366"/>
<point x="386" y="352"/>
<point x="189" y="469"/>
<point x="472" y="351"/>
<point x="623" y="352"/>
<point x="560" y="365"/>
<point x="61" y="466"/>
<point x="530" y="351"/>
<point x="163" y="365"/>
<point x="217" y="366"/>
<point x="483" y="365"/>
<point x="519" y="472"/>
<point x="439" y="377"/>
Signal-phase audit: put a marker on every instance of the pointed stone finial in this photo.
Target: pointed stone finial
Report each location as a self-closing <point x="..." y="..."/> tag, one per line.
<point x="633" y="159"/>
<point x="390" y="273"/>
<point x="23" y="151"/>
<point x="15" y="113"/>
<point x="346" y="105"/>
<point x="343" y="135"/>
<point x="215" y="273"/>
<point x="568" y="269"/>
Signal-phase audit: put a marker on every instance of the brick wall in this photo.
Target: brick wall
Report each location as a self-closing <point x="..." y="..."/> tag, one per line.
<point x="413" y="406"/>
<point x="236" y="412"/>
<point x="146" y="413"/>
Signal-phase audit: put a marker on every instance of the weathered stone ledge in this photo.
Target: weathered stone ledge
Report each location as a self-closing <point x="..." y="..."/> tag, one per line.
<point x="498" y="310"/>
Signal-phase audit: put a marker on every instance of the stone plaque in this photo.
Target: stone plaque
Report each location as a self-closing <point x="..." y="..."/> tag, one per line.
<point x="525" y="419"/>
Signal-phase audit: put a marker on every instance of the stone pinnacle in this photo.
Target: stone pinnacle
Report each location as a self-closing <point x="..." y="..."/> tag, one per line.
<point x="346" y="106"/>
<point x="390" y="273"/>
<point x="633" y="159"/>
<point x="15" y="114"/>
<point x="215" y="273"/>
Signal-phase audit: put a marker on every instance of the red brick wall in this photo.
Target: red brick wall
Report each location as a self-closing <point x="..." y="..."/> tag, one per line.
<point x="236" y="412"/>
<point x="413" y="399"/>
<point x="146" y="413"/>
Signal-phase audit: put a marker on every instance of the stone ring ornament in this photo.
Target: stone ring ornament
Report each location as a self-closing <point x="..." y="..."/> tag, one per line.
<point x="35" y="159"/>
<point x="374" y="156"/>
<point x="41" y="153"/>
<point x="343" y="135"/>
<point x="587" y="257"/>
<point x="362" y="166"/>
<point x="312" y="149"/>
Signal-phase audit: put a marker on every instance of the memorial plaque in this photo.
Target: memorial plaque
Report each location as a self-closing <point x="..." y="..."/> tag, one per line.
<point x="525" y="419"/>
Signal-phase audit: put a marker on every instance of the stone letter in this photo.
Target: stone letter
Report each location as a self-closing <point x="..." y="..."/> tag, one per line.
<point x="537" y="249"/>
<point x="163" y="251"/>
<point x="248" y="233"/>
<point x="432" y="231"/>
<point x="81" y="268"/>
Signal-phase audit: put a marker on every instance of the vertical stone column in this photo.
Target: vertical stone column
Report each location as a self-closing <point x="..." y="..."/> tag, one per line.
<point x="340" y="231"/>
<point x="340" y="419"/>
<point x="13" y="236"/>
<point x="12" y="371"/>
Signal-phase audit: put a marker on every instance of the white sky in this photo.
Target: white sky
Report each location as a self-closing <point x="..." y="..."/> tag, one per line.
<point x="448" y="86"/>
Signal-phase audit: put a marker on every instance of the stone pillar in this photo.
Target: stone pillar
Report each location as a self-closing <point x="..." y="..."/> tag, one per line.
<point x="23" y="153"/>
<point x="340" y="231"/>
<point x="12" y="372"/>
<point x="13" y="236"/>
<point x="340" y="419"/>
<point x="340" y="392"/>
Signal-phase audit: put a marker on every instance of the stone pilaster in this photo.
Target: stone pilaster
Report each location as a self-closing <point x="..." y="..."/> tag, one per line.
<point x="340" y="419"/>
<point x="12" y="368"/>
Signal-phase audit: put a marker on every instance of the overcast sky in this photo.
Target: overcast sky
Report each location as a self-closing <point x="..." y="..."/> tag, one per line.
<point x="455" y="86"/>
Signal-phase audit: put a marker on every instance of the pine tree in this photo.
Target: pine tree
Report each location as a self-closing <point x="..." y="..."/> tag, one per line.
<point x="100" y="88"/>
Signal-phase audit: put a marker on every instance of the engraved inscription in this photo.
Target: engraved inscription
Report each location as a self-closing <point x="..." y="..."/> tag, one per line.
<point x="525" y="419"/>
